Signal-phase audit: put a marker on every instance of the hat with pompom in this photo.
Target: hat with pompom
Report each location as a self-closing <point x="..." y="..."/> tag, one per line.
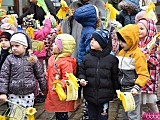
<point x="102" y="37"/>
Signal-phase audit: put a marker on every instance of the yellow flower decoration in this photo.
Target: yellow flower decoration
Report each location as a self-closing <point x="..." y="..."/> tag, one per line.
<point x="30" y="112"/>
<point x="63" y="10"/>
<point x="3" y="117"/>
<point x="30" y="32"/>
<point x="112" y="10"/>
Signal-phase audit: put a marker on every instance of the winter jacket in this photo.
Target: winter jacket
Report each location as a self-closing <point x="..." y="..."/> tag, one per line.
<point x="124" y="17"/>
<point x="38" y="12"/>
<point x="133" y="69"/>
<point x="88" y="21"/>
<point x="153" y="58"/>
<point x="100" y="69"/>
<point x="72" y="27"/>
<point x="42" y="33"/>
<point x="59" y="65"/>
<point x="18" y="76"/>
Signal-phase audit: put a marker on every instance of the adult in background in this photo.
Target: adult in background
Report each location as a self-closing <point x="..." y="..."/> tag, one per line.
<point x="72" y="27"/>
<point x="38" y="11"/>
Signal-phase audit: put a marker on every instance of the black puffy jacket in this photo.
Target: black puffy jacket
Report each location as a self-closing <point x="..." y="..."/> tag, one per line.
<point x="101" y="71"/>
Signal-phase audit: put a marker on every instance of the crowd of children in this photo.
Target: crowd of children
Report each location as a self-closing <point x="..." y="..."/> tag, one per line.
<point x="106" y="60"/>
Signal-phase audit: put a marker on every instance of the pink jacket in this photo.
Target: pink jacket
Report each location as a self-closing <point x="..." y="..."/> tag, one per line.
<point x="42" y="33"/>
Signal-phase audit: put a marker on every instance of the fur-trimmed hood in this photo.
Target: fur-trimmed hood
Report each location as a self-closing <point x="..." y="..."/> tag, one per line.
<point x="129" y="4"/>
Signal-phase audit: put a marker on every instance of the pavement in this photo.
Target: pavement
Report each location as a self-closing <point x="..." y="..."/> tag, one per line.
<point x="115" y="111"/>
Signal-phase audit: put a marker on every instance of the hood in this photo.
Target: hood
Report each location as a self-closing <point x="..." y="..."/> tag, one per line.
<point x="129" y="4"/>
<point x="130" y="34"/>
<point x="152" y="31"/>
<point x="84" y="17"/>
<point x="68" y="45"/>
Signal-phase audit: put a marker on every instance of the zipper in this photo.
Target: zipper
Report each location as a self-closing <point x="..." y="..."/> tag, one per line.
<point x="121" y="67"/>
<point x="23" y="72"/>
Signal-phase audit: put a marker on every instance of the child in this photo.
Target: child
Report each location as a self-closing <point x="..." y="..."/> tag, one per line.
<point x="133" y="71"/>
<point x="88" y="17"/>
<point x="128" y="11"/>
<point x="98" y="72"/>
<point x="18" y="73"/>
<point x="58" y="65"/>
<point x="5" y="46"/>
<point x="148" y="30"/>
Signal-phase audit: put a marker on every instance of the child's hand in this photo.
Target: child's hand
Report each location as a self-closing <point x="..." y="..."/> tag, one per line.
<point x="3" y="97"/>
<point x="134" y="91"/>
<point x="83" y="82"/>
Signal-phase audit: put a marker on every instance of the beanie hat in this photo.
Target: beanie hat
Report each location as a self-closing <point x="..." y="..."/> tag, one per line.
<point x="59" y="44"/>
<point x="6" y="35"/>
<point x="139" y="16"/>
<point x="102" y="37"/>
<point x="144" y="22"/>
<point x="8" y="26"/>
<point x="20" y="38"/>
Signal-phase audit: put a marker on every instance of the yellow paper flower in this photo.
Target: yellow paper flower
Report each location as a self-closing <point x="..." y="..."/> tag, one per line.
<point x="30" y="32"/>
<point x="59" y="90"/>
<point x="30" y="112"/>
<point x="113" y="12"/>
<point x="63" y="10"/>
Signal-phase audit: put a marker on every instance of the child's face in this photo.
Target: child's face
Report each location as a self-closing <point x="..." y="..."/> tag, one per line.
<point x="95" y="45"/>
<point x="142" y="31"/>
<point x="18" y="49"/>
<point x="5" y="44"/>
<point x="55" y="49"/>
<point x="123" y="45"/>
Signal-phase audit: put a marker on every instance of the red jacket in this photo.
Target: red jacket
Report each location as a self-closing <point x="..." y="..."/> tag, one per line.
<point x="60" y="66"/>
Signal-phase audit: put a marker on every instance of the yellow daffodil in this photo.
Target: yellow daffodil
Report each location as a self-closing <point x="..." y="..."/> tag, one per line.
<point x="30" y="112"/>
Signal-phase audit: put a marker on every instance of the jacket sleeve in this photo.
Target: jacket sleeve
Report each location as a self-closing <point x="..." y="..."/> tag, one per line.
<point x="142" y="71"/>
<point x="66" y="67"/>
<point x="5" y="77"/>
<point x="114" y="75"/>
<point x="40" y="54"/>
<point x="120" y="18"/>
<point x="39" y="75"/>
<point x="153" y="57"/>
<point x="82" y="70"/>
<point x="42" y="33"/>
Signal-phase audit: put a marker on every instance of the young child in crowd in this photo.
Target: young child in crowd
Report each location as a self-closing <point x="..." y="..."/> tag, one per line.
<point x="18" y="73"/>
<point x="5" y="46"/>
<point x="148" y="30"/>
<point x="98" y="72"/>
<point x="133" y="71"/>
<point x="40" y="34"/>
<point x="128" y="11"/>
<point x="88" y="17"/>
<point x="58" y="65"/>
